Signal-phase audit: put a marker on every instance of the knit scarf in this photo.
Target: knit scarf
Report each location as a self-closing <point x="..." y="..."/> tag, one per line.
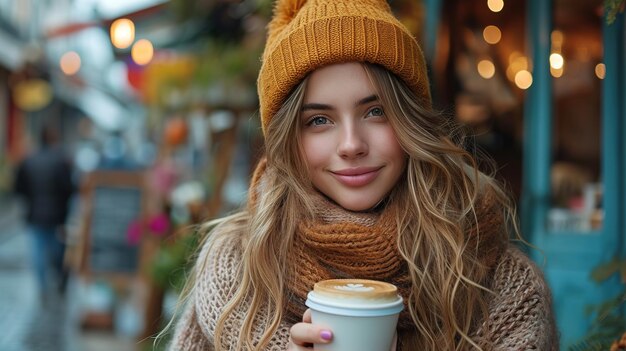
<point x="341" y="244"/>
<point x="338" y="243"/>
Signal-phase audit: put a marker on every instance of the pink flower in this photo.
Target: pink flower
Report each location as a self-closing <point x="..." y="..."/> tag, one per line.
<point x="159" y="224"/>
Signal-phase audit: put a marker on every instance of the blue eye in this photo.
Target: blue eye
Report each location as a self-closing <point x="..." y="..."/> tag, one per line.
<point x="318" y="121"/>
<point x="376" y="112"/>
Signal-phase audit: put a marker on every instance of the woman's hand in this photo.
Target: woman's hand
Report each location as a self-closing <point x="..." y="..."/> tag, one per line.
<point x="303" y="335"/>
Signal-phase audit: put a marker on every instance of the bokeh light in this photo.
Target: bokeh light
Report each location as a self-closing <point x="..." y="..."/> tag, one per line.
<point x="557" y="38"/>
<point x="517" y="62"/>
<point x="122" y="33"/>
<point x="556" y="61"/>
<point x="486" y="69"/>
<point x="142" y="52"/>
<point x="495" y="5"/>
<point x="556" y="72"/>
<point x="601" y="70"/>
<point x="492" y="34"/>
<point x="70" y="63"/>
<point x="523" y="79"/>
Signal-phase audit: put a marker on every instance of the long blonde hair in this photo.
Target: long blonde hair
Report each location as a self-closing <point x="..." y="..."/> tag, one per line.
<point x="441" y="185"/>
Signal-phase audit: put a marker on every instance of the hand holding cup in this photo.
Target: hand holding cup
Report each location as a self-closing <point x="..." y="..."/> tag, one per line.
<point x="362" y="314"/>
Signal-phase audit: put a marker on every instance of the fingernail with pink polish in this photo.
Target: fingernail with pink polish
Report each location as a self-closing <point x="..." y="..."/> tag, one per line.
<point x="326" y="335"/>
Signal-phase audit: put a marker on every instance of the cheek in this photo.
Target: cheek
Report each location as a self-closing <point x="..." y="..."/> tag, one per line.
<point x="389" y="143"/>
<point x="317" y="151"/>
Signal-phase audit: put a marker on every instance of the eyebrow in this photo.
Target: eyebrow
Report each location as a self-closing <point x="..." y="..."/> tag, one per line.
<point x="318" y="106"/>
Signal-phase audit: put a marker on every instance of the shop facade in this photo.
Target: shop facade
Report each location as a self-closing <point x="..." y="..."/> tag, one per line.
<point x="543" y="85"/>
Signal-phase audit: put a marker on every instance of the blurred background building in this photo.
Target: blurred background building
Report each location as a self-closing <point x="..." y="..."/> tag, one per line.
<point x="157" y="106"/>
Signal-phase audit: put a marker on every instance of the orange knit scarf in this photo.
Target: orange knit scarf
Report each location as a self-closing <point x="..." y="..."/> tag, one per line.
<point x="342" y="244"/>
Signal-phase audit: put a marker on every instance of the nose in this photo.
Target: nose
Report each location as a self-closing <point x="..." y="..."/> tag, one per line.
<point x="353" y="143"/>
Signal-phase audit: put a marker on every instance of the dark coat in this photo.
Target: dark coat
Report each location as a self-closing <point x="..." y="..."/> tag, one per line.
<point x="44" y="179"/>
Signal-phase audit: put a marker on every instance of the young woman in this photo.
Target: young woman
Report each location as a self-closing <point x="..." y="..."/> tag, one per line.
<point x="361" y="180"/>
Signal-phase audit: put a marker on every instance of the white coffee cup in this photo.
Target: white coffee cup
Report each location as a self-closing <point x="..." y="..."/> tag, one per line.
<point x="362" y="314"/>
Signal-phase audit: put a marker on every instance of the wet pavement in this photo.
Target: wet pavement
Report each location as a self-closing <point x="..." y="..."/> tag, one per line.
<point x="29" y="323"/>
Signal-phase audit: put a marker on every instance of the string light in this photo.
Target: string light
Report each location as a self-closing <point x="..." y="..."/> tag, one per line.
<point x="492" y="34"/>
<point x="486" y="69"/>
<point x="600" y="70"/>
<point x="495" y="5"/>
<point x="556" y="72"/>
<point x="523" y="79"/>
<point x="557" y="38"/>
<point x="70" y="63"/>
<point x="122" y="33"/>
<point x="556" y="60"/>
<point x="142" y="52"/>
<point x="517" y="62"/>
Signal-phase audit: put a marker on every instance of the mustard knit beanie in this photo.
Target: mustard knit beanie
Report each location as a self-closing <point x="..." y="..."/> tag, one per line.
<point x="305" y="35"/>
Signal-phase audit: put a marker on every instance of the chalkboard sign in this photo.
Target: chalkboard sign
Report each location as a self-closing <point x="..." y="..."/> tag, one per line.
<point x="114" y="201"/>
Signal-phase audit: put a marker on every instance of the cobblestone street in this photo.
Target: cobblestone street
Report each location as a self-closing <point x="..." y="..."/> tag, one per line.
<point x="27" y="322"/>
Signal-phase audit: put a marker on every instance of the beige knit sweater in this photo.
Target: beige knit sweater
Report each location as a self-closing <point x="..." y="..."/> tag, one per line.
<point x="520" y="312"/>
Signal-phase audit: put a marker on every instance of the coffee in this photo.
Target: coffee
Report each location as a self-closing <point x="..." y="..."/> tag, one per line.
<point x="361" y="313"/>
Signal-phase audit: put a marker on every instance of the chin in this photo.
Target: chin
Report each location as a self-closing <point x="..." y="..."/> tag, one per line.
<point x="358" y="206"/>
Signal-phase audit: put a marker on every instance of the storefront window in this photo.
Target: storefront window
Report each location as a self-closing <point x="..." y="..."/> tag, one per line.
<point x="577" y="71"/>
<point x="479" y="77"/>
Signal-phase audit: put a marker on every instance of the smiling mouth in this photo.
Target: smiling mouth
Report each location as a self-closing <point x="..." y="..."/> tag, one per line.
<point x="356" y="177"/>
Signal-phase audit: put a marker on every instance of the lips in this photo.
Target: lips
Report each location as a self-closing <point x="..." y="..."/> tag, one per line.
<point x="356" y="177"/>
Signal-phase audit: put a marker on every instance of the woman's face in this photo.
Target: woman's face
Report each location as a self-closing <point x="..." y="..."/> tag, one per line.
<point x="351" y="150"/>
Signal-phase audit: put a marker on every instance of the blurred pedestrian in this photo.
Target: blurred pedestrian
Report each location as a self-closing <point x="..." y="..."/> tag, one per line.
<point x="44" y="180"/>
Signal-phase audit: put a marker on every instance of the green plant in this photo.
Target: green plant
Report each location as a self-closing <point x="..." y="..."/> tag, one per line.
<point x="609" y="322"/>
<point x="173" y="261"/>
<point x="613" y="7"/>
<point x="226" y="62"/>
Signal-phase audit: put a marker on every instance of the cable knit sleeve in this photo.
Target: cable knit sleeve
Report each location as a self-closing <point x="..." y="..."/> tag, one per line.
<point x="188" y="335"/>
<point x="216" y="281"/>
<point x="216" y="275"/>
<point x="520" y="314"/>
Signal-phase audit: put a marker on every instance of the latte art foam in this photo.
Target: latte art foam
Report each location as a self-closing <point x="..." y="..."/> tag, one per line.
<point x="354" y="287"/>
<point x="360" y="290"/>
